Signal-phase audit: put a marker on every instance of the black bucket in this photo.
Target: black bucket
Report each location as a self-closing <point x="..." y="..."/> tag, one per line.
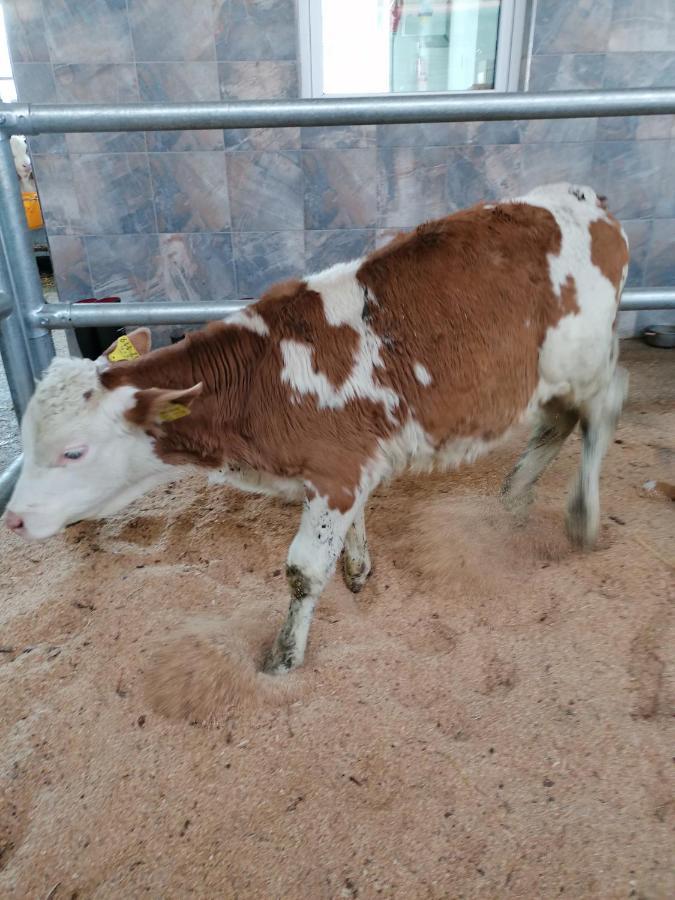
<point x="95" y="341"/>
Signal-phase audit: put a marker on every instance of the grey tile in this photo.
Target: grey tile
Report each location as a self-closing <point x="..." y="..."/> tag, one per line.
<point x="548" y="163"/>
<point x="25" y="31"/>
<point x="58" y="199"/>
<point x="325" y="248"/>
<point x="260" y="80"/>
<point x="126" y="266"/>
<point x="99" y="83"/>
<point x="266" y="191"/>
<point x="632" y="175"/>
<point x="190" y="191"/>
<point x="114" y="193"/>
<point x="196" y="267"/>
<point x="88" y="31"/>
<point x="384" y="236"/>
<point x="179" y="30"/>
<point x="558" y="130"/>
<point x="71" y="268"/>
<point x="563" y="72"/>
<point x="639" y="232"/>
<point x="339" y="137"/>
<point x="263" y="259"/>
<point x="432" y="134"/>
<point x="482" y="173"/>
<point x="567" y="72"/>
<point x="412" y="185"/>
<point x="35" y="84"/>
<point x="562" y="27"/>
<point x="662" y="193"/>
<point x="180" y="82"/>
<point x="642" y="26"/>
<point x="340" y="188"/>
<point x="264" y="29"/>
<point x="494" y="132"/>
<point x="624" y="70"/>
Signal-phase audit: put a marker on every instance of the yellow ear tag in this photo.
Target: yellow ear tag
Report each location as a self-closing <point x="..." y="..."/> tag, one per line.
<point x="173" y="411"/>
<point x="124" y="349"/>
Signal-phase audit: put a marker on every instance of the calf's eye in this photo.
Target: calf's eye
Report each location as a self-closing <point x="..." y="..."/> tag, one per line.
<point x="74" y="454"/>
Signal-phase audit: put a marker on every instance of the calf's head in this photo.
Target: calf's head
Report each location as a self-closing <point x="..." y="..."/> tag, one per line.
<point x="88" y="451"/>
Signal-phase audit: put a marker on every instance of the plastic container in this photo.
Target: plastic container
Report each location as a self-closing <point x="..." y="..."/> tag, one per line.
<point x="31" y="205"/>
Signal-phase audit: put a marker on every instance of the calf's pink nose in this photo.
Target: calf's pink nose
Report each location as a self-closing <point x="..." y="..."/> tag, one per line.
<point x="13" y="521"/>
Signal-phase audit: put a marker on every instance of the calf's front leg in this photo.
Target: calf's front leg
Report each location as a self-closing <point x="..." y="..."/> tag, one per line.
<point x="312" y="557"/>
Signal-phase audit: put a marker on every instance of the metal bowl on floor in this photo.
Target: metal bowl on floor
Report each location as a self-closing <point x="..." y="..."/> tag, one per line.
<point x="660" y="335"/>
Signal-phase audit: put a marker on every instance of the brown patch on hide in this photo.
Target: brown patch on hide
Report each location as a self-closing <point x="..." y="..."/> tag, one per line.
<point x="483" y="302"/>
<point x="609" y="250"/>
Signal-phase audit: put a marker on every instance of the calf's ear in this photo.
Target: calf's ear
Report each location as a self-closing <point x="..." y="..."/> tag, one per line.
<point x="155" y="406"/>
<point x="127" y="347"/>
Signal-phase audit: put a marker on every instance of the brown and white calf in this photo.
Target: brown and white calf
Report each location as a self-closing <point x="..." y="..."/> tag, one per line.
<point x="425" y="353"/>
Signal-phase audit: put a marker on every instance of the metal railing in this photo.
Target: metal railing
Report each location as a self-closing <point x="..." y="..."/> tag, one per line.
<point x="26" y="321"/>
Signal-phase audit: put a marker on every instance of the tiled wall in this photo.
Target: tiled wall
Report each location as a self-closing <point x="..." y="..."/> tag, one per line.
<point x="209" y="215"/>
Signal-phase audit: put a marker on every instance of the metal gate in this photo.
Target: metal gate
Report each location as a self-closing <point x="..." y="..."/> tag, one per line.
<point x="26" y="320"/>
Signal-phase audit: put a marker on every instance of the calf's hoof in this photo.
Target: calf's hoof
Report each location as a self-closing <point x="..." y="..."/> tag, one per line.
<point x="355" y="577"/>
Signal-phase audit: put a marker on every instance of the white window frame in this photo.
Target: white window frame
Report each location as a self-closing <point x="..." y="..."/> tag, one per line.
<point x="507" y="64"/>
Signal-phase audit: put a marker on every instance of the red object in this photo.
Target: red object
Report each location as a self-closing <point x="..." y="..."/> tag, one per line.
<point x="100" y="300"/>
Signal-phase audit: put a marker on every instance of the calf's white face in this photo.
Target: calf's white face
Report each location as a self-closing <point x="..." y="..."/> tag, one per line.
<point x="82" y="458"/>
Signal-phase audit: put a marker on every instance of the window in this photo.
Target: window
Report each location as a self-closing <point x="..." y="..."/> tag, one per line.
<point x="7" y="88"/>
<point x="352" y="47"/>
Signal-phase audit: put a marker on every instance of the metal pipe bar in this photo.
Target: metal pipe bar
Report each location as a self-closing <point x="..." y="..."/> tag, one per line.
<point x="90" y="315"/>
<point x="17" y="118"/>
<point x="22" y="267"/>
<point x="8" y="479"/>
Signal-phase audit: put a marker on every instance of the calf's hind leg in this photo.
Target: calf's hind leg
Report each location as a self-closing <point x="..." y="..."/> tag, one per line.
<point x="356" y="559"/>
<point x="555" y="424"/>
<point x="312" y="558"/>
<point x="598" y="421"/>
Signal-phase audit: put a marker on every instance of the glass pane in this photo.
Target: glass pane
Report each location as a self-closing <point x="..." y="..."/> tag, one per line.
<point x="7" y="90"/>
<point x="396" y="46"/>
<point x="5" y="65"/>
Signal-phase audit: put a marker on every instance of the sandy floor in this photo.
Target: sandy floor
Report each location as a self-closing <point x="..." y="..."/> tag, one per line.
<point x="488" y="719"/>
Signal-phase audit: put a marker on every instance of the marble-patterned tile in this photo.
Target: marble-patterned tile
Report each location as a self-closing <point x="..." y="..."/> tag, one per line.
<point x="114" y="193"/>
<point x="163" y="82"/>
<point x="35" y="84"/>
<point x="71" y="267"/>
<point x="325" y="248"/>
<point x="58" y="199"/>
<point x="567" y="72"/>
<point x="384" y="236"/>
<point x="196" y="267"/>
<point x="88" y="31"/>
<point x="482" y="173"/>
<point x="582" y="26"/>
<point x="547" y="163"/>
<point x="412" y="185"/>
<point x="642" y="26"/>
<point x="260" y="80"/>
<point x="664" y="199"/>
<point x="340" y="188"/>
<point x="126" y="266"/>
<point x="494" y="132"/>
<point x="429" y="134"/>
<point x="99" y="83"/>
<point x="660" y="264"/>
<point x="627" y="70"/>
<point x="338" y="137"/>
<point x="190" y="191"/>
<point x="266" y="191"/>
<point x="179" y="30"/>
<point x="632" y="175"/>
<point x="639" y="232"/>
<point x="264" y="29"/>
<point x="262" y="259"/>
<point x="25" y="31"/>
<point x="563" y="72"/>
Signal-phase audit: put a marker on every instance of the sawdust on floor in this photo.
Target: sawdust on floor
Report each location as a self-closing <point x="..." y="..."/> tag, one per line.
<point x="489" y="718"/>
